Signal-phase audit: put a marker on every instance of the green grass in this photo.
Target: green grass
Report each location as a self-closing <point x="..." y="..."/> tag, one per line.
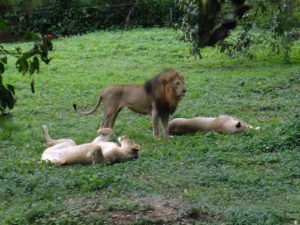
<point x="246" y="178"/>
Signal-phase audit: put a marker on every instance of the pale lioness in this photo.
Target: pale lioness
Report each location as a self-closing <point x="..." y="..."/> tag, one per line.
<point x="221" y="124"/>
<point x="157" y="97"/>
<point x="65" y="151"/>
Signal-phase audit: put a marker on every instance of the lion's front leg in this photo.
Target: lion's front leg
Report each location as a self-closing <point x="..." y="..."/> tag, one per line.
<point x="94" y="153"/>
<point x="97" y="157"/>
<point x="164" y="121"/>
<point x="155" y="124"/>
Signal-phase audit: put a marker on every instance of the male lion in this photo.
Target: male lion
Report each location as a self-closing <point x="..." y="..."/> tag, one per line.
<point x="221" y="124"/>
<point x="65" y="151"/>
<point x="157" y="97"/>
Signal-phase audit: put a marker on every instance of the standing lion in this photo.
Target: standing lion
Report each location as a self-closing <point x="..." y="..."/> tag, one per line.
<point x="157" y="97"/>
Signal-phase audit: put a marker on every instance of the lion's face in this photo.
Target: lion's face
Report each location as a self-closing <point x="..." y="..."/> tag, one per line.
<point x="178" y="87"/>
<point x="132" y="149"/>
<point x="126" y="141"/>
<point x="234" y="125"/>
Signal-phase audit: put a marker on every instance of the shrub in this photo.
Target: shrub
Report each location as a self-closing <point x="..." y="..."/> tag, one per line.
<point x="76" y="17"/>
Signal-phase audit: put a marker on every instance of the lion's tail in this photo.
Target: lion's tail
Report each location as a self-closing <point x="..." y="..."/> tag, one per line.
<point x="91" y="110"/>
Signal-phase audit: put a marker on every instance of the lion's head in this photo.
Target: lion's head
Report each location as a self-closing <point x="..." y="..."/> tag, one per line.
<point x="167" y="89"/>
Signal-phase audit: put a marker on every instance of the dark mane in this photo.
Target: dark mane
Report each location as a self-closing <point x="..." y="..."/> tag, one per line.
<point x="163" y="106"/>
<point x="150" y="83"/>
<point x="148" y="87"/>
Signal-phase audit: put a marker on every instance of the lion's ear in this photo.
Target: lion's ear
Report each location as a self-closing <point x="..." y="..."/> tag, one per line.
<point x="238" y="125"/>
<point x="136" y="147"/>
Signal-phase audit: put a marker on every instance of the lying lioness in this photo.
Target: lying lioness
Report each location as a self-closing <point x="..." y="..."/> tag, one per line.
<point x="65" y="151"/>
<point x="221" y="124"/>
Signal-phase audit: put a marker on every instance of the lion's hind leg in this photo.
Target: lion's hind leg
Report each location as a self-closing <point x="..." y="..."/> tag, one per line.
<point x="51" y="142"/>
<point x="97" y="157"/>
<point x="111" y="111"/>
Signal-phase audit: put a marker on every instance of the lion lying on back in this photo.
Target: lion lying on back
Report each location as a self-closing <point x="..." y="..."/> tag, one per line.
<point x="65" y="151"/>
<point x="158" y="98"/>
<point x="221" y="124"/>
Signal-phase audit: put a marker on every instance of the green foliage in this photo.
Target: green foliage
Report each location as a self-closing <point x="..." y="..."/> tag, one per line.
<point x="2" y="25"/>
<point x="7" y="92"/>
<point x="275" y="18"/>
<point x="6" y="96"/>
<point x="246" y="178"/>
<point x="207" y="22"/>
<point x="77" y="17"/>
<point x="26" y="62"/>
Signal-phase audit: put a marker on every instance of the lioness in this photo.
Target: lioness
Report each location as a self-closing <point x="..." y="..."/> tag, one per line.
<point x="221" y="124"/>
<point x="65" y="151"/>
<point x="157" y="97"/>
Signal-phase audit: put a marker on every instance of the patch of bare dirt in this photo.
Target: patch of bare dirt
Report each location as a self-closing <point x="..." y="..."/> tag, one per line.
<point x="160" y="207"/>
<point x="150" y="210"/>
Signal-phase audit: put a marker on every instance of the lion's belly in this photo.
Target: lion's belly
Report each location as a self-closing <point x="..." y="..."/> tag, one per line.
<point x="138" y="105"/>
<point x="67" y="155"/>
<point x="137" y="109"/>
<point x="107" y="146"/>
<point x="59" y="156"/>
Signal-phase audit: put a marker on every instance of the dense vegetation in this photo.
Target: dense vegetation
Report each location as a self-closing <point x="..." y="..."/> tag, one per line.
<point x="247" y="178"/>
<point x="204" y="23"/>
<point x="62" y="17"/>
<point x="27" y="62"/>
<point x="207" y="23"/>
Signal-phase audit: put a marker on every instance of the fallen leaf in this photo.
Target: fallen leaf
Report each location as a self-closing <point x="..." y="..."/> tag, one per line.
<point x="115" y="216"/>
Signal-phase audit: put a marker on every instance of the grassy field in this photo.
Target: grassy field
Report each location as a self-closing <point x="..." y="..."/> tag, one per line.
<point x="247" y="178"/>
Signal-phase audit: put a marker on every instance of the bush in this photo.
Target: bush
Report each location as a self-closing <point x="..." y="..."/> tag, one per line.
<point x="277" y="21"/>
<point x="76" y="17"/>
